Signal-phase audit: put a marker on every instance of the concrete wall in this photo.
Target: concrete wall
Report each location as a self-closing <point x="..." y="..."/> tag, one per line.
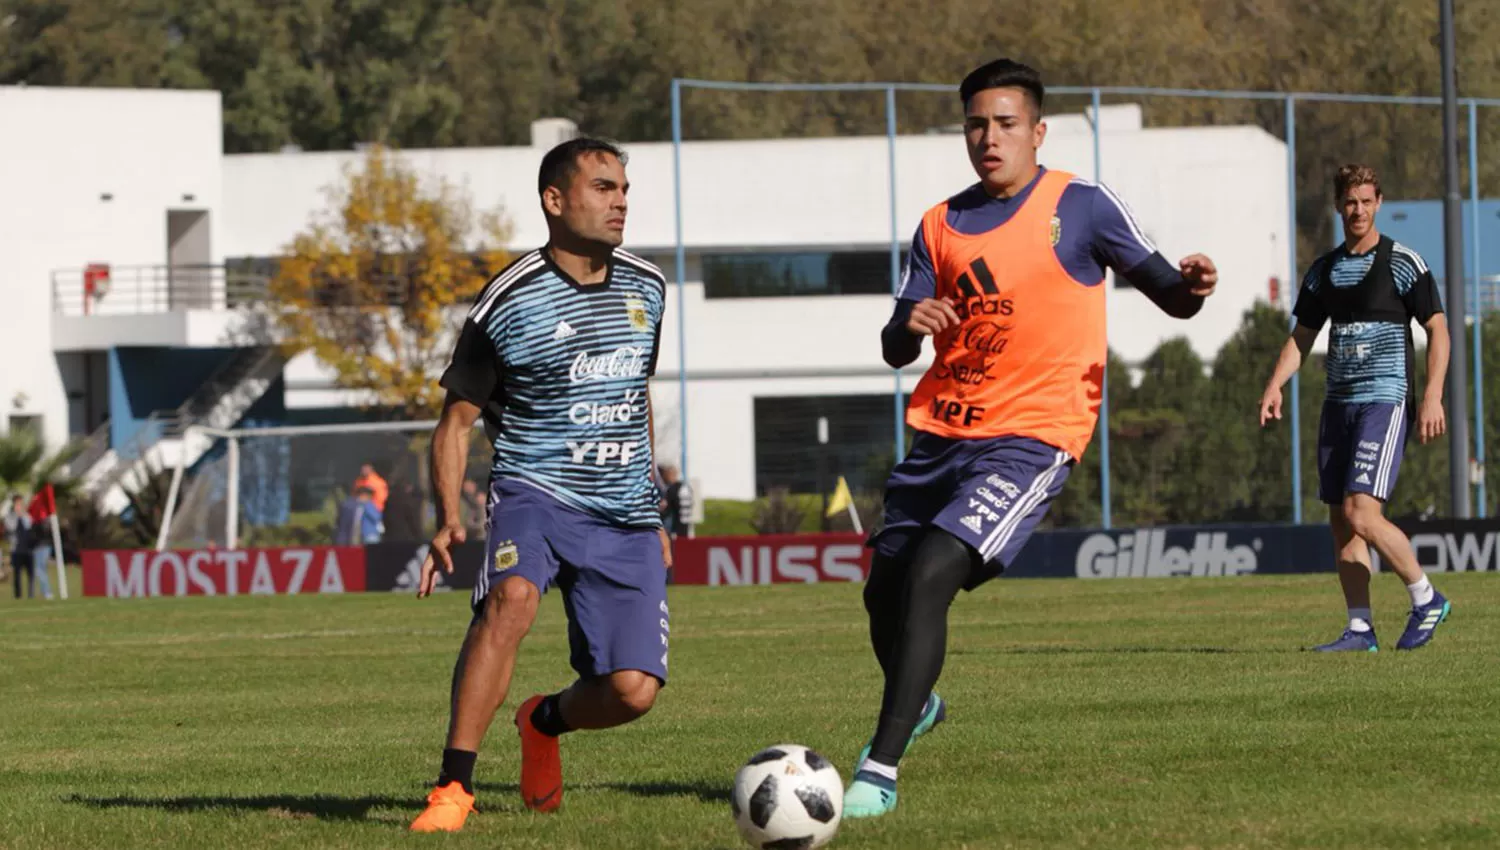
<point x="62" y="151"/>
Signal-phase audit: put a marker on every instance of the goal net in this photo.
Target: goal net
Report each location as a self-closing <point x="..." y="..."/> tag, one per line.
<point x="347" y="484"/>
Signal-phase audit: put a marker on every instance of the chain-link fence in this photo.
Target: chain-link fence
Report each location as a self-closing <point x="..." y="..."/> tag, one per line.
<point x="776" y="388"/>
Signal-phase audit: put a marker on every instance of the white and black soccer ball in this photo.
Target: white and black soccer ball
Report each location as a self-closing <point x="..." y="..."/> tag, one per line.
<point x="787" y="797"/>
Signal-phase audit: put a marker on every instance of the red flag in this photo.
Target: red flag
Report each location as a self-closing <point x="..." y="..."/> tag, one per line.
<point x="42" y="505"/>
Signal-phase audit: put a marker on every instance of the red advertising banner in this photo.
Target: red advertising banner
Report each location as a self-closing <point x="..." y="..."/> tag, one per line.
<point x="770" y="559"/>
<point x="134" y="573"/>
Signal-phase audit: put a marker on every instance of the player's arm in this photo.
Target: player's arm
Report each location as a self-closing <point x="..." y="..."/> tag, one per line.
<point x="918" y="312"/>
<point x="1425" y="303"/>
<point x="1287" y="363"/>
<point x="666" y="541"/>
<point x="470" y="379"/>
<point x="1311" y="317"/>
<point x="1118" y="241"/>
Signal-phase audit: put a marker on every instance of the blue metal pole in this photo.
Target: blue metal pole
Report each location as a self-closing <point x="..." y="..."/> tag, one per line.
<point x="1292" y="287"/>
<point x="681" y="263"/>
<point x="890" y="143"/>
<point x="1475" y="283"/>
<point x="1104" y="500"/>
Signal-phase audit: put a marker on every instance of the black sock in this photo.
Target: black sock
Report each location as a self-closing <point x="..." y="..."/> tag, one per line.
<point x="547" y="716"/>
<point x="458" y="766"/>
<point x="939" y="569"/>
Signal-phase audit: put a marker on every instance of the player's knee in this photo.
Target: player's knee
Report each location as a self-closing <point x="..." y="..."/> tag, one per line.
<point x="634" y="691"/>
<point x="510" y="609"/>
<point x="1362" y="515"/>
<point x="942" y="565"/>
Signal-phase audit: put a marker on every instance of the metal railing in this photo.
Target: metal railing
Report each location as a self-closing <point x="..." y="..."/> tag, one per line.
<point x="139" y="290"/>
<point x="143" y="290"/>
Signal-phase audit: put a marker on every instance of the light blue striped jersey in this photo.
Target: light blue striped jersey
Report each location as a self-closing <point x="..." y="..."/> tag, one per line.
<point x="560" y="370"/>
<point x="1367" y="360"/>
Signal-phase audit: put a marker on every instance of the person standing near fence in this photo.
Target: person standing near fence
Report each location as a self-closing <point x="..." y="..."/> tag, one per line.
<point x="556" y="355"/>
<point x="1370" y="287"/>
<point x="18" y="533"/>
<point x="1008" y="278"/>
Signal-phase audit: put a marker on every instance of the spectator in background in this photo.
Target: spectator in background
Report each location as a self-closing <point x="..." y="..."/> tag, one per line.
<point x="677" y="501"/>
<point x="474" y="510"/>
<point x="379" y="489"/>
<point x="360" y="522"/>
<point x="18" y="530"/>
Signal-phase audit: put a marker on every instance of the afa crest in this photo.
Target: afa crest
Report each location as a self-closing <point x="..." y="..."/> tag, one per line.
<point x="1056" y="230"/>
<point x="506" y="556"/>
<point x="636" y="310"/>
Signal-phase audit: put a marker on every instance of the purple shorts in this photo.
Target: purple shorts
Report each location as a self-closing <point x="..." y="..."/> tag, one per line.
<point x="1359" y="449"/>
<point x="988" y="493"/>
<point x="613" y="578"/>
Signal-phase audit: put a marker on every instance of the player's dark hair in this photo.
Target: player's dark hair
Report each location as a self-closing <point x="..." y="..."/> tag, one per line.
<point x="1005" y="74"/>
<point x="1353" y="175"/>
<point x="561" y="163"/>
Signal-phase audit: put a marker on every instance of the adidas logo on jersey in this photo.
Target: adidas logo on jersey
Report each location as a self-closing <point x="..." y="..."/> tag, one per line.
<point x="564" y="330"/>
<point x="973" y="523"/>
<point x="1364" y="478"/>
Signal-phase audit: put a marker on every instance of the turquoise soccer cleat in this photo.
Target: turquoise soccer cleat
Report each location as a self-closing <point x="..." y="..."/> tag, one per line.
<point x="870" y="796"/>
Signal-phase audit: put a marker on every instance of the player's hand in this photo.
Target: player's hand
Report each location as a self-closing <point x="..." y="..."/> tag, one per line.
<point x="1431" y="420"/>
<point x="439" y="552"/>
<point x="666" y="548"/>
<point x="1201" y="274"/>
<point x="1270" y="405"/>
<point x="932" y="316"/>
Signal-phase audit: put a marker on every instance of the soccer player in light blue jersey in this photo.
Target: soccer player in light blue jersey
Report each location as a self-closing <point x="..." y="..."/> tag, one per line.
<point x="555" y="356"/>
<point x="1370" y="287"/>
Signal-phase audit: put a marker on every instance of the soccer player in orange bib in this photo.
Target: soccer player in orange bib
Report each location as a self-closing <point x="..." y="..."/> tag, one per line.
<point x="1008" y="278"/>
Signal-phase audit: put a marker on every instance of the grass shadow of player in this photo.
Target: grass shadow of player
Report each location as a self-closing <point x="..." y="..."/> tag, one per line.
<point x="705" y="791"/>
<point x="1109" y="650"/>
<point x="316" y="806"/>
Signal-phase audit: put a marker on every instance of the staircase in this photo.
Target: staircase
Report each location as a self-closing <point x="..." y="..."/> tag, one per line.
<point x="168" y="437"/>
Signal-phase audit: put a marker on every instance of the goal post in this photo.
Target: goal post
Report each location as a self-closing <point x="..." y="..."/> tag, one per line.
<point x="297" y="478"/>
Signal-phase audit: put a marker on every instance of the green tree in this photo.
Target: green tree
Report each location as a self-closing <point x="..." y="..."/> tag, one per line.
<point x="1157" y="458"/>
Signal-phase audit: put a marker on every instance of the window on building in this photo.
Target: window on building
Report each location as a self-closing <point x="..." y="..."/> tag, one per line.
<point x="779" y="274"/>
<point x="21" y="424"/>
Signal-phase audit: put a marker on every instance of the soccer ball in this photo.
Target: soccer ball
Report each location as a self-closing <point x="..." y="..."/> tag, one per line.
<point x="787" y="797"/>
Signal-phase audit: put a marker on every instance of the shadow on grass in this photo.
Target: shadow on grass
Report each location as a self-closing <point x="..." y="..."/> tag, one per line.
<point x="318" y="806"/>
<point x="705" y="791"/>
<point x="334" y="808"/>
<point x="1109" y="650"/>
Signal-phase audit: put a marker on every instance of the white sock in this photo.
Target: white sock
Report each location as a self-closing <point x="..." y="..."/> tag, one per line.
<point x="1421" y="592"/>
<point x="1359" y="620"/>
<point x="875" y="767"/>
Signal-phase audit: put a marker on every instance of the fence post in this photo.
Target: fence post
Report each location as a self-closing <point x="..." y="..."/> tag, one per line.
<point x="1453" y="263"/>
<point x="1293" y="287"/>
<point x="890" y="140"/>
<point x="681" y="262"/>
<point x="1476" y="281"/>
<point x="1106" y="517"/>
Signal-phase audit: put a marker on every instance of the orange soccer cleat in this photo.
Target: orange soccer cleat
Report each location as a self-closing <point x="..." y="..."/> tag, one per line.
<point x="541" y="762"/>
<point x="448" y="806"/>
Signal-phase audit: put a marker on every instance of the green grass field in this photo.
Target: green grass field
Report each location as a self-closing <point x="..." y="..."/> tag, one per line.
<point x="1109" y="714"/>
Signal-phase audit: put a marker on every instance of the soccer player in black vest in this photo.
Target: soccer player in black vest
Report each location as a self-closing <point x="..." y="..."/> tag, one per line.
<point x="1370" y="287"/>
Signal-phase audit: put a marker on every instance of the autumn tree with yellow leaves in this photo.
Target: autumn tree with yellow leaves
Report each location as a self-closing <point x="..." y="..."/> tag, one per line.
<point x="376" y="285"/>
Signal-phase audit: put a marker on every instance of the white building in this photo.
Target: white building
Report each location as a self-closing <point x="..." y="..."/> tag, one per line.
<point x="138" y="180"/>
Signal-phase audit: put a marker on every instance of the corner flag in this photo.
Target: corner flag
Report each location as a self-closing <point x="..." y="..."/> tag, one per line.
<point x="44" y="507"/>
<point x="844" y="500"/>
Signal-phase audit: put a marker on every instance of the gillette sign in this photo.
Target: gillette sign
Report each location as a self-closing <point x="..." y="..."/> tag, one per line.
<point x="1152" y="553"/>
